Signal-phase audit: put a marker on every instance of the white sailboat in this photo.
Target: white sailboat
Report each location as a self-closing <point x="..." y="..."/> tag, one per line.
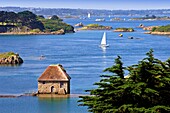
<point x="103" y="41"/>
<point x="89" y="15"/>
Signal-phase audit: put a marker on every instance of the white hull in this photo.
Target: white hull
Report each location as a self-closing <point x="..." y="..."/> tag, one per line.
<point x="100" y="20"/>
<point x="104" y="45"/>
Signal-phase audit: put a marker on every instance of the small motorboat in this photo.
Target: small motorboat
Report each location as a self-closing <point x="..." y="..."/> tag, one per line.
<point x="120" y="35"/>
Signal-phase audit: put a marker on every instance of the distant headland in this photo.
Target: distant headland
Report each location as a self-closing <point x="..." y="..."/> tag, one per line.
<point x="74" y="13"/>
<point x="27" y="22"/>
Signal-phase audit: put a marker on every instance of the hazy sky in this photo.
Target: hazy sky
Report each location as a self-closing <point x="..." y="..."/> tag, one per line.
<point x="90" y="4"/>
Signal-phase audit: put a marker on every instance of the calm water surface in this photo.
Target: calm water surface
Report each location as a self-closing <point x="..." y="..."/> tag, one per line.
<point x="80" y="55"/>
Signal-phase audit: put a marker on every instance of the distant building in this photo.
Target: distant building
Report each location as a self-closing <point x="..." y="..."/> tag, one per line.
<point x="54" y="80"/>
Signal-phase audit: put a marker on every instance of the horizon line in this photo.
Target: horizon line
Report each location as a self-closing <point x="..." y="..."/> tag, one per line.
<point x="83" y="8"/>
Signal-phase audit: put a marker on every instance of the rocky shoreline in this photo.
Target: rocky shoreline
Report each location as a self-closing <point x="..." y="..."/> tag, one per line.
<point x="158" y="33"/>
<point x="59" y="32"/>
<point x="10" y="58"/>
<point x="124" y="30"/>
<point x="41" y="95"/>
<point x="97" y="28"/>
<point x="149" y="28"/>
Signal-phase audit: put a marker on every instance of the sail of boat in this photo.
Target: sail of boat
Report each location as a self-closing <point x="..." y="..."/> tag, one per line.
<point x="88" y="15"/>
<point x="103" y="41"/>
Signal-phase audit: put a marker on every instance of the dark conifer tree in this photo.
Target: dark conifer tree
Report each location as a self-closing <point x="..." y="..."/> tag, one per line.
<point x="145" y="90"/>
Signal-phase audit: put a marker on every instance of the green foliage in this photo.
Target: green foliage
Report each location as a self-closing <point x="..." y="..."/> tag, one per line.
<point x="125" y="29"/>
<point x="35" y="31"/>
<point x="54" y="25"/>
<point x="55" y="17"/>
<point x="6" y="55"/>
<point x="40" y="17"/>
<point x="8" y="17"/>
<point x="146" y="90"/>
<point x="29" y="20"/>
<point x="153" y="29"/>
<point x="162" y="29"/>
<point x="25" y="18"/>
<point x="94" y="25"/>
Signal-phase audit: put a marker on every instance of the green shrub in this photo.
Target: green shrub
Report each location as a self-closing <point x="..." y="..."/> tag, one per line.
<point x="55" y="25"/>
<point x="35" y="30"/>
<point x="7" y="54"/>
<point x="162" y="29"/>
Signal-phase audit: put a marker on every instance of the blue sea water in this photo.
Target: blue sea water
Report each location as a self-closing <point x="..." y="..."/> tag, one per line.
<point x="80" y="55"/>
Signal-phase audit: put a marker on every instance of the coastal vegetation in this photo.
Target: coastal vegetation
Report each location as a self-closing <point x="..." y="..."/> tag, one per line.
<point x="124" y="30"/>
<point x="29" y="22"/>
<point x="161" y="29"/>
<point x="158" y="30"/>
<point x="55" y="23"/>
<point x="6" y="55"/>
<point x="152" y="17"/>
<point x="146" y="89"/>
<point x="95" y="27"/>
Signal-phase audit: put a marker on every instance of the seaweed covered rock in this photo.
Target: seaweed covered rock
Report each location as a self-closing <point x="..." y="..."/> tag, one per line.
<point x="10" y="58"/>
<point x="95" y="27"/>
<point x="124" y="30"/>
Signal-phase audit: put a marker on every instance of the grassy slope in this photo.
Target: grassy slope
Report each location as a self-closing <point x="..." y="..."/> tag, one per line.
<point x="6" y="55"/>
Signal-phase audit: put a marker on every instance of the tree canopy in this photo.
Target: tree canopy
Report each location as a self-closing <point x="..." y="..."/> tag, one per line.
<point x="146" y="89"/>
<point x="161" y="29"/>
<point x="28" y="21"/>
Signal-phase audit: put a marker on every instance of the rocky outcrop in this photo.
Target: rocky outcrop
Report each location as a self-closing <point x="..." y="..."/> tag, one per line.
<point x="59" y="32"/>
<point x="160" y="33"/>
<point x="10" y="58"/>
<point x="149" y="28"/>
<point x="141" y="26"/>
<point x="79" y="25"/>
<point x="124" y="30"/>
<point x="95" y="27"/>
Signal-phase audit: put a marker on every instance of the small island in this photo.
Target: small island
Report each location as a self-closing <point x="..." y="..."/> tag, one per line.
<point x="151" y="17"/>
<point x="27" y="22"/>
<point x="124" y="30"/>
<point x="10" y="58"/>
<point x="95" y="27"/>
<point x="160" y="30"/>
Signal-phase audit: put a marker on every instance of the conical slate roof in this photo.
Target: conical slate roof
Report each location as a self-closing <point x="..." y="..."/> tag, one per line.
<point x="54" y="73"/>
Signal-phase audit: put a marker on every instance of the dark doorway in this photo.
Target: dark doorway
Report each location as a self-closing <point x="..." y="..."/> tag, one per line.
<point x="52" y="89"/>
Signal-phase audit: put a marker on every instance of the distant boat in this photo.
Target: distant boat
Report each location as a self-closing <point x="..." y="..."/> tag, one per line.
<point x="88" y="15"/>
<point x="120" y="35"/>
<point x="116" y="19"/>
<point x="131" y="37"/>
<point x="100" y="19"/>
<point x="103" y="41"/>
